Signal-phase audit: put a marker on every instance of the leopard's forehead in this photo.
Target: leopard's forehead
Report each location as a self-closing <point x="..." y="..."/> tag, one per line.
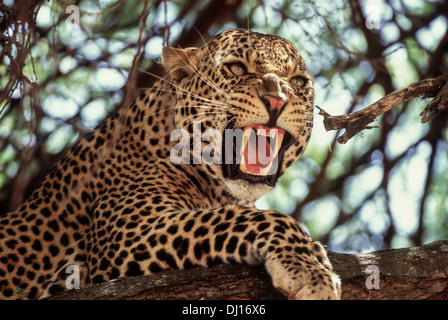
<point x="262" y="52"/>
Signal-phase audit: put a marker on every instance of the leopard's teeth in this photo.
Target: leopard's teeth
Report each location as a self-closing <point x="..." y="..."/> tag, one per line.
<point x="275" y="141"/>
<point x="243" y="164"/>
<point x="278" y="142"/>
<point x="264" y="171"/>
<point x="246" y="135"/>
<point x="261" y="131"/>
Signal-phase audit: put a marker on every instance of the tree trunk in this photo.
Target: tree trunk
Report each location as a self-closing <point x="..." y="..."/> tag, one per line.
<point x="412" y="273"/>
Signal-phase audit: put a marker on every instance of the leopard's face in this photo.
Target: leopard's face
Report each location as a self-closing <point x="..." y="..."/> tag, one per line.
<point x="249" y="99"/>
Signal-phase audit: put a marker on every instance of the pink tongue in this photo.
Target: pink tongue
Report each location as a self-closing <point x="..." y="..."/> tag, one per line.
<point x="253" y="164"/>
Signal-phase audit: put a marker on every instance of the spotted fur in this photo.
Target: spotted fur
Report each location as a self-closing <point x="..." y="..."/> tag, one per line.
<point x="116" y="205"/>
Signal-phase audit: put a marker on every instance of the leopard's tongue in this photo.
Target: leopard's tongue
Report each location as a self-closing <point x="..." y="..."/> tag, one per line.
<point x="259" y="149"/>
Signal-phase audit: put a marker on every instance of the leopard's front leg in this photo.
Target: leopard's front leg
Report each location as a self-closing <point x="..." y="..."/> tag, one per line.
<point x="298" y="266"/>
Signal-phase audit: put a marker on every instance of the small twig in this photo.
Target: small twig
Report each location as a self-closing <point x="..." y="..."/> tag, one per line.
<point x="357" y="121"/>
<point x="436" y="106"/>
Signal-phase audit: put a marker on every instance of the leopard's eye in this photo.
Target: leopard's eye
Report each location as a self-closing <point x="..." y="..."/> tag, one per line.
<point x="237" y="68"/>
<point x="299" y="81"/>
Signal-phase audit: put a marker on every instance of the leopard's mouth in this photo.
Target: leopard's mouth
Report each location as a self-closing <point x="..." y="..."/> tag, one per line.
<point x="254" y="153"/>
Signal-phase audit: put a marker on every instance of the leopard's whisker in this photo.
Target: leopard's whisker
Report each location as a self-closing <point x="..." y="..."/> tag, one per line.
<point x="180" y="88"/>
<point x="209" y="81"/>
<point x="217" y="69"/>
<point x="210" y="116"/>
<point x="206" y="100"/>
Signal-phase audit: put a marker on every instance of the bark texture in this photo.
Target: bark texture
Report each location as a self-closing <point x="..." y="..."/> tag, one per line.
<point x="413" y="274"/>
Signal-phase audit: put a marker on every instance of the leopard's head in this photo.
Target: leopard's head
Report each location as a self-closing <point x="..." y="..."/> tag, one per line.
<point x="248" y="99"/>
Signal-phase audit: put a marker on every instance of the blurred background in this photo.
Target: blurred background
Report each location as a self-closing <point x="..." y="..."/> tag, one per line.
<point x="66" y="65"/>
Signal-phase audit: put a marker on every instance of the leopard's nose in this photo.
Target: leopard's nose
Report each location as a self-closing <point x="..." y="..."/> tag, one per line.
<point x="274" y="105"/>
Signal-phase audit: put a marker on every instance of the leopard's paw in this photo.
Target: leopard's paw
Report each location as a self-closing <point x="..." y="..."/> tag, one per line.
<point x="304" y="284"/>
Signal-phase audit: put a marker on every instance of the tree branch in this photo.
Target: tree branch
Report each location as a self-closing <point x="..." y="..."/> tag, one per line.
<point x="357" y="121"/>
<point x="214" y="12"/>
<point x="411" y="273"/>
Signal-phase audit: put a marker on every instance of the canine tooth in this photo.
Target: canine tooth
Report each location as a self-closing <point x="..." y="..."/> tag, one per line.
<point x="278" y="143"/>
<point x="243" y="164"/>
<point x="281" y="135"/>
<point x="245" y="141"/>
<point x="246" y="135"/>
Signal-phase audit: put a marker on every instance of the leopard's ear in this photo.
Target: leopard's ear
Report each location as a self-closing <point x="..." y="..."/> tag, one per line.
<point x="179" y="63"/>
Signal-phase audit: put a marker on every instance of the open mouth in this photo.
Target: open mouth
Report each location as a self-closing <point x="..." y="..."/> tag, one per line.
<point x="254" y="153"/>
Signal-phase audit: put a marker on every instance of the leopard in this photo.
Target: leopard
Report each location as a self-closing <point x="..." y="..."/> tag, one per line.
<point x="137" y="195"/>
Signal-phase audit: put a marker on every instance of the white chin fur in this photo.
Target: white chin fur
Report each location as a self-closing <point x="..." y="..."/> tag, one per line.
<point x="244" y="190"/>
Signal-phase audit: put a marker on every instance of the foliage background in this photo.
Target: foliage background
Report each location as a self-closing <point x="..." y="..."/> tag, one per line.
<point x="385" y="188"/>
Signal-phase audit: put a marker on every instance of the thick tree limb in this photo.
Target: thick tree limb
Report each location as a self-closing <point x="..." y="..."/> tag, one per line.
<point x="357" y="121"/>
<point x="412" y="273"/>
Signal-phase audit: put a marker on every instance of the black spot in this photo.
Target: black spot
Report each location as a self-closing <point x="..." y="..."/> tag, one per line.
<point x="56" y="288"/>
<point x="302" y="250"/>
<point x="45" y="212"/>
<point x="85" y="197"/>
<point x="200" y="232"/>
<point x="140" y="256"/>
<point x="230" y="214"/>
<point x="48" y="236"/>
<point x="37" y="245"/>
<point x="64" y="239"/>
<point x="47" y="263"/>
<point x="163" y="239"/>
<point x="11" y="244"/>
<point x="242" y="249"/>
<point x="213" y="261"/>
<point x="133" y="269"/>
<point x="172" y="229"/>
<point x="181" y="246"/>
<point x="188" y="264"/>
<point x="258" y="217"/>
<point x="263" y="226"/>
<point x="68" y="178"/>
<point x="231" y="245"/>
<point x="54" y="250"/>
<point x="104" y="264"/>
<point x="197" y="251"/>
<point x="240" y="228"/>
<point x="115" y="273"/>
<point x="8" y="292"/>
<point x="33" y="293"/>
<point x="222" y="227"/>
<point x="99" y="142"/>
<point x="155" y="267"/>
<point x="219" y="241"/>
<point x="162" y="255"/>
<point x="53" y="224"/>
<point x="189" y="225"/>
<point x="279" y="229"/>
<point x="97" y="279"/>
<point x="206" y="217"/>
<point x="251" y="236"/>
